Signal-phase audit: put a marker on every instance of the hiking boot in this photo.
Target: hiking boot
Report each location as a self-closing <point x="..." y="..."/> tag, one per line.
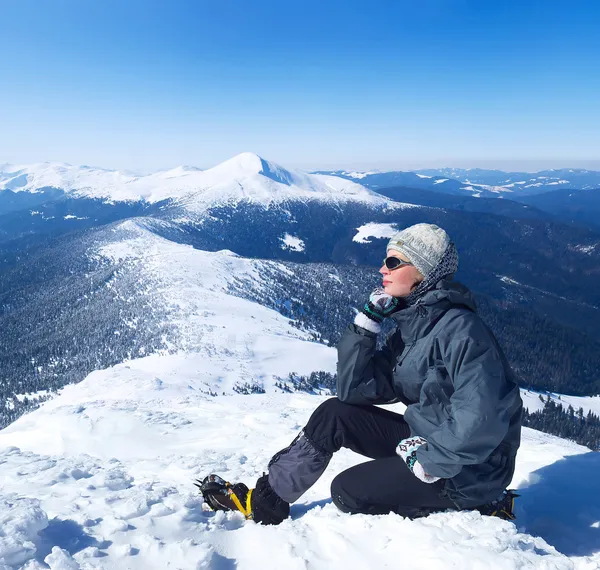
<point x="223" y="496"/>
<point x="502" y="508"/>
<point x="262" y="504"/>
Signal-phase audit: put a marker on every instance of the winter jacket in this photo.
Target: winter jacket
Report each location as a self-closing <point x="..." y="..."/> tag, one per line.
<point x="462" y="396"/>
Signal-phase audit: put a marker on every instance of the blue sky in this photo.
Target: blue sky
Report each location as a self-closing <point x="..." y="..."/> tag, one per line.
<point x="329" y="84"/>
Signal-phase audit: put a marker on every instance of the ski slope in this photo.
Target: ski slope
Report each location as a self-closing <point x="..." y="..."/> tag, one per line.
<point x="101" y="477"/>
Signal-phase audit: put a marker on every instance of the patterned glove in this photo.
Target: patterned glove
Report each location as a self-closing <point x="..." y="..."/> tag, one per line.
<point x="379" y="306"/>
<point x="407" y="449"/>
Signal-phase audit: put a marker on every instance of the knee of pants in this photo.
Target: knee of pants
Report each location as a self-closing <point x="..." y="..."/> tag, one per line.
<point x="324" y="422"/>
<point x="340" y="499"/>
<point x="348" y="503"/>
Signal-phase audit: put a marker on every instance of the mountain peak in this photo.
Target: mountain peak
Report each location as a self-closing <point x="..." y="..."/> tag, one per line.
<point x="249" y="164"/>
<point x="247" y="161"/>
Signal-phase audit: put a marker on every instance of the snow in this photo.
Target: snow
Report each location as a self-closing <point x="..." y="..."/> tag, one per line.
<point x="72" y="217"/>
<point x="423" y="176"/>
<point x="193" y="286"/>
<point x="245" y="176"/>
<point x="21" y="520"/>
<point x="32" y="395"/>
<point x="101" y="477"/>
<point x="375" y="230"/>
<point x="359" y="175"/>
<point x="531" y="401"/>
<point x="488" y="187"/>
<point x="440" y="180"/>
<point x="292" y="242"/>
<point x="585" y="248"/>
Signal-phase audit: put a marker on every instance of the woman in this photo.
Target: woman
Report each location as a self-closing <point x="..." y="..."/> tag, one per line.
<point x="454" y="447"/>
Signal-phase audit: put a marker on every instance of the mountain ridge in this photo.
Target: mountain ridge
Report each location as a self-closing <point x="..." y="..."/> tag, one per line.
<point x="241" y="177"/>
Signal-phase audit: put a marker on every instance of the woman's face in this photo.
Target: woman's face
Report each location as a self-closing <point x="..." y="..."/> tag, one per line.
<point x="401" y="281"/>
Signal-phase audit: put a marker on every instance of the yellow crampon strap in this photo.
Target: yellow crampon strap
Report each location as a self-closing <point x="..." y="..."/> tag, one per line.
<point x="247" y="512"/>
<point x="510" y="515"/>
<point x="248" y="505"/>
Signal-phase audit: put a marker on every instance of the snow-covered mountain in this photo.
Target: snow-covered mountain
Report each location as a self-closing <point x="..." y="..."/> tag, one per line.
<point x="243" y="177"/>
<point x="477" y="182"/>
<point x="441" y="184"/>
<point x="524" y="183"/>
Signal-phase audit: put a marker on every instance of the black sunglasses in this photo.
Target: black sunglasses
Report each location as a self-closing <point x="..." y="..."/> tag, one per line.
<point x="394" y="263"/>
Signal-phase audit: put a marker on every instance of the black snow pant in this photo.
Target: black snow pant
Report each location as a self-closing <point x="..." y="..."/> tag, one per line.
<point x="380" y="486"/>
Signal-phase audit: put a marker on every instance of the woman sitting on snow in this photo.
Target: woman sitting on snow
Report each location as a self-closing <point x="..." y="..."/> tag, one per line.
<point x="454" y="447"/>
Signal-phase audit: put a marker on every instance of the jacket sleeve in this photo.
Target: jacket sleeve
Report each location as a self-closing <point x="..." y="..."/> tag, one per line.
<point x="364" y="374"/>
<point x="479" y="412"/>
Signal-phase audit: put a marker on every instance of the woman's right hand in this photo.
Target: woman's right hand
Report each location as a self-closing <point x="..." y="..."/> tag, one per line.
<point x="379" y="306"/>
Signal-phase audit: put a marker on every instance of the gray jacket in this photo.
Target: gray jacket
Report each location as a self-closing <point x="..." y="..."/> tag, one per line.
<point x="462" y="396"/>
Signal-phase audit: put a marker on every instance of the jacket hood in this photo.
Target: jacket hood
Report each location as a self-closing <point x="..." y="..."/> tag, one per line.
<point x="417" y="320"/>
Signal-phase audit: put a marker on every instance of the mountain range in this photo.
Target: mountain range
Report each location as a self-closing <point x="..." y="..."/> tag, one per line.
<point x="527" y="182"/>
<point x="66" y="309"/>
<point x="136" y="310"/>
<point x="477" y="182"/>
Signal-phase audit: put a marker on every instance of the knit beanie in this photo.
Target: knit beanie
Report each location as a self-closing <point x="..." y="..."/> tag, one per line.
<point x="430" y="250"/>
<point x="422" y="244"/>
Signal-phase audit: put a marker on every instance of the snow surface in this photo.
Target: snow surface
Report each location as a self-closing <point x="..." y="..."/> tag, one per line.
<point x="245" y="176"/>
<point x="376" y="230"/>
<point x="585" y="248"/>
<point x="531" y="401"/>
<point x="101" y="477"/>
<point x="360" y="175"/>
<point x="479" y="187"/>
<point x="194" y="287"/>
<point x="292" y="242"/>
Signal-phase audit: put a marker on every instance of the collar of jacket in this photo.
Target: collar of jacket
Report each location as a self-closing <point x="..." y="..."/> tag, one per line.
<point x="416" y="321"/>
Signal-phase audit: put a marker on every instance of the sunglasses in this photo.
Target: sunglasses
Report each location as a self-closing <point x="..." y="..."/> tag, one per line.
<point x="394" y="263"/>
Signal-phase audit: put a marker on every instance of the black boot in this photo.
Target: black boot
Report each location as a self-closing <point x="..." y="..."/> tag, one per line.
<point x="261" y="504"/>
<point x="502" y="508"/>
<point x="267" y="506"/>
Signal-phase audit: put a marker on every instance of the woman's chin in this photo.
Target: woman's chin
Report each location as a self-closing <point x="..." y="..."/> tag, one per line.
<point x="394" y="292"/>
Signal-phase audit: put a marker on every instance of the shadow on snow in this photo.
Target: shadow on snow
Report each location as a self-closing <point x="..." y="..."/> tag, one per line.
<point x="68" y="535"/>
<point x="561" y="504"/>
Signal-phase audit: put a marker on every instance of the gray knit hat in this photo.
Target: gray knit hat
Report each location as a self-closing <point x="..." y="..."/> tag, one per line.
<point x="424" y="245"/>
